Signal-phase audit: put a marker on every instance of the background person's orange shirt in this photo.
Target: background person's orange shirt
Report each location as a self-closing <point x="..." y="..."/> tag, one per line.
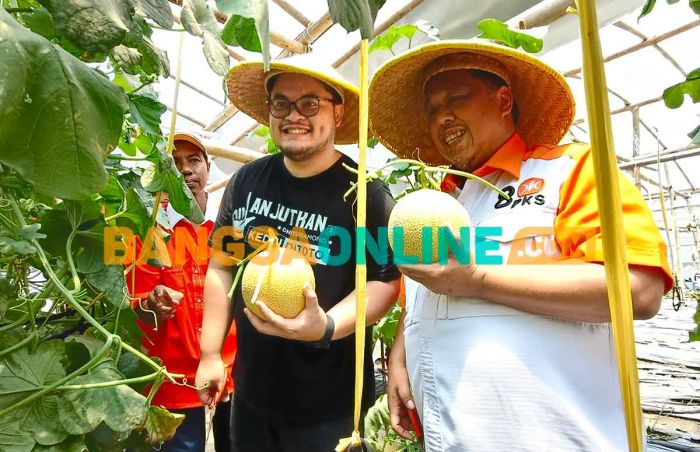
<point x="176" y="342"/>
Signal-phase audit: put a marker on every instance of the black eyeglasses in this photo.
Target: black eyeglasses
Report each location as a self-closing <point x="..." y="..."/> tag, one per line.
<point x="307" y="106"/>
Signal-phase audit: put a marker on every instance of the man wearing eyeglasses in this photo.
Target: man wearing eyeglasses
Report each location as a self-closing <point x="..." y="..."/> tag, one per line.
<point x="295" y="377"/>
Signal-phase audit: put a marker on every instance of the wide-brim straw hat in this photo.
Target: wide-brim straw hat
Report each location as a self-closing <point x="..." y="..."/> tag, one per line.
<point x="543" y="98"/>
<point x="247" y="90"/>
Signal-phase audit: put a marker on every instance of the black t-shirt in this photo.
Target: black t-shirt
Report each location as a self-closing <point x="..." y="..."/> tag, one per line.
<point x="283" y="379"/>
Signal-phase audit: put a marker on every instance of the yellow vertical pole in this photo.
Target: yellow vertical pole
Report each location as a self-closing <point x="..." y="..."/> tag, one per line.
<point x="608" y="190"/>
<point x="173" y="116"/>
<point x="360" y="269"/>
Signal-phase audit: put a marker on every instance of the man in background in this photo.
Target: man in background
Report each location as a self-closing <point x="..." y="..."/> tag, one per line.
<point x="171" y="306"/>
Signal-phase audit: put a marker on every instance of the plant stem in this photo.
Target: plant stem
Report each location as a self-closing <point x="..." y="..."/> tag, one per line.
<point x="477" y="179"/>
<point x="350" y="168"/>
<point x="116" y="328"/>
<point x="140" y="87"/>
<point x="150" y="362"/>
<point x="107" y="384"/>
<point x="71" y="265"/>
<point x="444" y="169"/>
<point x="432" y="181"/>
<point x="398" y="161"/>
<point x="49" y="314"/>
<point x="154" y="388"/>
<point x="158" y="27"/>
<point x="241" y="266"/>
<point x="79" y="308"/>
<point x="237" y="278"/>
<point x="29" y="316"/>
<point x="19" y="344"/>
<point x="9" y="326"/>
<point x="123" y="157"/>
<point x="32" y="320"/>
<point x="115" y="216"/>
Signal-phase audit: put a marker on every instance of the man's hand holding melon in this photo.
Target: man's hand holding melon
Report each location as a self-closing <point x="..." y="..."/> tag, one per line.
<point x="278" y="290"/>
<point x="308" y="326"/>
<point x="432" y="209"/>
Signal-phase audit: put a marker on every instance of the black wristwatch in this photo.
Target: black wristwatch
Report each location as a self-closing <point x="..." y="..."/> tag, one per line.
<point x="325" y="341"/>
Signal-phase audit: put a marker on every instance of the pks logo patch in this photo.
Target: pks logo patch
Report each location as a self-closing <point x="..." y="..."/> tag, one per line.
<point x="530" y="186"/>
<point x="526" y="195"/>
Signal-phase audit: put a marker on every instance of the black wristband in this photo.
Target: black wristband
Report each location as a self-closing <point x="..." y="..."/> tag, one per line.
<point x="325" y="341"/>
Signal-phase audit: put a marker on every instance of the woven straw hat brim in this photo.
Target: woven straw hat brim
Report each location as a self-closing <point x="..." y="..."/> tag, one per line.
<point x="545" y="103"/>
<point x="246" y="90"/>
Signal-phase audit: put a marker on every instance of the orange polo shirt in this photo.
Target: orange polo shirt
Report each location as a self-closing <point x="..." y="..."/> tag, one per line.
<point x="564" y="173"/>
<point x="176" y="340"/>
<point x="576" y="227"/>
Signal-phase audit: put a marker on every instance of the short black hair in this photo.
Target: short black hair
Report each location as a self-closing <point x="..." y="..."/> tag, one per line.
<point x="494" y="82"/>
<point x="335" y="95"/>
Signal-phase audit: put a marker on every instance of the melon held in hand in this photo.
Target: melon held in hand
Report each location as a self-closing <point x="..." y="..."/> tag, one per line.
<point x="425" y="209"/>
<point x="277" y="277"/>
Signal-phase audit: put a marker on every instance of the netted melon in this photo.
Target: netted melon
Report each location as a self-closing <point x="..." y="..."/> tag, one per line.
<point x="279" y="275"/>
<point x="425" y="209"/>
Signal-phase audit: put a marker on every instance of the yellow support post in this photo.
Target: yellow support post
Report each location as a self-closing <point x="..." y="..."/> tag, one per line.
<point x="616" y="265"/>
<point x="360" y="269"/>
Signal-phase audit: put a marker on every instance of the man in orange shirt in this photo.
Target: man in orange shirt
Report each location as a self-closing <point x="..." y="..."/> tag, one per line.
<point x="170" y="308"/>
<point x="506" y="357"/>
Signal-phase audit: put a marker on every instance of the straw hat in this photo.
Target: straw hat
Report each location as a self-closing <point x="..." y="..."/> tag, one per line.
<point x="247" y="90"/>
<point x="544" y="100"/>
<point x="193" y="139"/>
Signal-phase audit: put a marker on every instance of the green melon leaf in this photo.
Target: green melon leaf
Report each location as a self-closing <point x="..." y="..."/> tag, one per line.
<point x="109" y="279"/>
<point x="71" y="444"/>
<point x="94" y="26"/>
<point x="39" y="419"/>
<point x="675" y="95"/>
<point x="156" y="10"/>
<point x="163" y="175"/>
<point x="39" y="21"/>
<point x="22" y="373"/>
<point x="198" y="19"/>
<point x="146" y="112"/>
<point x="695" y="6"/>
<point x="161" y="424"/>
<point x="12" y="439"/>
<point x="135" y="216"/>
<point x="120" y="407"/>
<point x="394" y="34"/>
<point x="498" y="31"/>
<point x="242" y="31"/>
<point x="70" y="114"/>
<point x="112" y="196"/>
<point x="648" y="7"/>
